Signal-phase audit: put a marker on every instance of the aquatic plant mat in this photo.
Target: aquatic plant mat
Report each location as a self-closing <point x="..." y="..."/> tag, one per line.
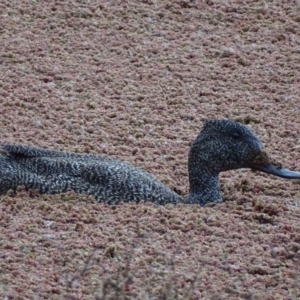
<point x="134" y="80"/>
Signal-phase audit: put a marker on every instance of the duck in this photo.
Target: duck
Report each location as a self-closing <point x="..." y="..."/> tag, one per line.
<point x="221" y="145"/>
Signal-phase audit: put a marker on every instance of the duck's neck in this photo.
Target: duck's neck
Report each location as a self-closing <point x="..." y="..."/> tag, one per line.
<point x="203" y="177"/>
<point x="204" y="188"/>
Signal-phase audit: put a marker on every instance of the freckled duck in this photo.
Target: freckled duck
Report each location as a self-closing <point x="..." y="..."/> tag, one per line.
<point x="222" y="145"/>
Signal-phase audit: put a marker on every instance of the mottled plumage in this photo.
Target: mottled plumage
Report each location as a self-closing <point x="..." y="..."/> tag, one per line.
<point x="221" y="145"/>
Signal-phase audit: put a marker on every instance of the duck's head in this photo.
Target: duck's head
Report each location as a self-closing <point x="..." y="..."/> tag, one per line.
<point x="224" y="145"/>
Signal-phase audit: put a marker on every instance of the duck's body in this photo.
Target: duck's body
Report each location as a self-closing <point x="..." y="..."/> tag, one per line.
<point x="108" y="180"/>
<point x="221" y="145"/>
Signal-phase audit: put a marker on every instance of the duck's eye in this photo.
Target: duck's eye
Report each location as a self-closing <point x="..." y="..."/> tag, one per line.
<point x="236" y="135"/>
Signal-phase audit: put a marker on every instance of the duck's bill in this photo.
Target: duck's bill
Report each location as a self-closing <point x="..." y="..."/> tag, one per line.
<point x="262" y="162"/>
<point x="277" y="171"/>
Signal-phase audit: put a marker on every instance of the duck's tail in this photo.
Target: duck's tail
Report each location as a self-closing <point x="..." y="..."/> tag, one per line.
<point x="9" y="175"/>
<point x="32" y="167"/>
<point x="21" y="151"/>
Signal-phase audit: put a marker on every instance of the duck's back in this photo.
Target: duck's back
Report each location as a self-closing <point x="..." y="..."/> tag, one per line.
<point x="52" y="172"/>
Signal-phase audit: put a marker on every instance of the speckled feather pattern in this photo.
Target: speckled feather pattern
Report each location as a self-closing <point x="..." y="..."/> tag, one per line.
<point x="52" y="172"/>
<point x="221" y="145"/>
